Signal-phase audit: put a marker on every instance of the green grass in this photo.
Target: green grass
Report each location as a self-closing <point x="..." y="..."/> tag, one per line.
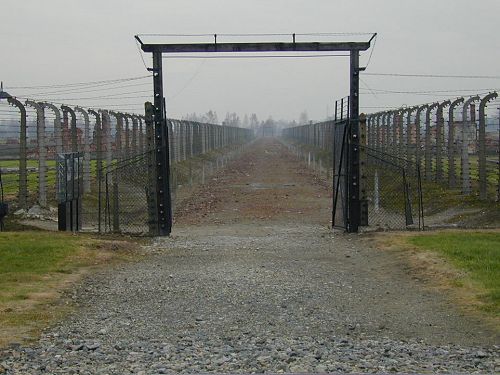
<point x="33" y="253"/>
<point x="35" y="266"/>
<point x="477" y="253"/>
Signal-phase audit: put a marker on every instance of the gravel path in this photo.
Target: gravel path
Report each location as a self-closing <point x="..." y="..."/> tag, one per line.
<point x="241" y="287"/>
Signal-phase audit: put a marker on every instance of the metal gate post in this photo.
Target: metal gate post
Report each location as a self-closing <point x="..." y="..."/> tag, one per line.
<point x="150" y="158"/>
<point x="353" y="168"/>
<point x="164" y="200"/>
<point x="362" y="162"/>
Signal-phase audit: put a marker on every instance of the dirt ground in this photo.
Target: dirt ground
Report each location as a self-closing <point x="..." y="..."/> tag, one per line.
<point x="269" y="196"/>
<point x="254" y="280"/>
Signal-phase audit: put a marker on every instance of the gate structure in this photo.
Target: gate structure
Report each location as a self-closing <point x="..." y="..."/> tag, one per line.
<point x="162" y="194"/>
<point x="348" y="208"/>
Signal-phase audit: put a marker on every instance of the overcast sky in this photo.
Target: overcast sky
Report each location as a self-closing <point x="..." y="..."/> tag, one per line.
<point x="64" y="41"/>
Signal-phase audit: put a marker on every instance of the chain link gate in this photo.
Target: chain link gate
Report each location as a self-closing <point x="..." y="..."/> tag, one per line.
<point x="69" y="191"/>
<point x="340" y="210"/>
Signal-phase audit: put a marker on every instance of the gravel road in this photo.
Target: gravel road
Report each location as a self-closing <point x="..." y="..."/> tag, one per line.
<point x="253" y="280"/>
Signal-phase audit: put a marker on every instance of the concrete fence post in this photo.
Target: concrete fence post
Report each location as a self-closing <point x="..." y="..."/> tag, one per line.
<point x="452" y="143"/>
<point x="73" y="132"/>
<point x="418" y="145"/>
<point x="428" y="143"/>
<point x="135" y="136"/>
<point x="378" y="135"/>
<point x="23" y="154"/>
<point x="118" y="135"/>
<point x="42" y="152"/>
<point x="383" y="132"/>
<point x="483" y="178"/>
<point x="86" y="149"/>
<point x="127" y="136"/>
<point x="141" y="134"/>
<point x="98" y="144"/>
<point x="409" y="134"/>
<point x="440" y="140"/>
<point x="466" y="186"/>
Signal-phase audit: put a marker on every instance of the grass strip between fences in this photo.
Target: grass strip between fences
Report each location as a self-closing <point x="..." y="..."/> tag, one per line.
<point x="36" y="267"/>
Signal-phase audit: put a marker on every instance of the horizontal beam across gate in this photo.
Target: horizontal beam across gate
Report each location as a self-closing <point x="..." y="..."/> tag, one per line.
<point x="256" y="47"/>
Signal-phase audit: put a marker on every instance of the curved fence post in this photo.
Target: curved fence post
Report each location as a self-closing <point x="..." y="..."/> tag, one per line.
<point x="483" y="182"/>
<point x="452" y="147"/>
<point x="119" y="134"/>
<point x="107" y="138"/>
<point x="417" y="134"/>
<point x="383" y="132"/>
<point x="58" y="131"/>
<point x="42" y="152"/>
<point x="135" y="134"/>
<point x="427" y="142"/>
<point x="466" y="186"/>
<point x="23" y="154"/>
<point x="408" y="133"/>
<point x="378" y="131"/>
<point x="395" y="126"/>
<point x="98" y="142"/>
<point x="440" y="139"/>
<point x="86" y="149"/>
<point x="73" y="131"/>
<point x="98" y="156"/>
<point x="141" y="137"/>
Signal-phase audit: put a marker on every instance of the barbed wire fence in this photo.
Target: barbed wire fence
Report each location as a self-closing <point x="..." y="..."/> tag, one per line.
<point x="114" y="163"/>
<point x="426" y="156"/>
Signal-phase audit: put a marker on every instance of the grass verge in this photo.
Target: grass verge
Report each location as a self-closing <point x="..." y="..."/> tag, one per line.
<point x="465" y="263"/>
<point x="36" y="267"/>
<point x="475" y="253"/>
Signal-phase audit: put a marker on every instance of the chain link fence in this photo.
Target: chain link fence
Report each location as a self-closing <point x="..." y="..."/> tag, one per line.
<point x="114" y="147"/>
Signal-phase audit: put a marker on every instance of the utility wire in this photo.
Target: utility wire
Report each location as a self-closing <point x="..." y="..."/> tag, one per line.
<point x="110" y="96"/>
<point x="430" y="75"/>
<point x="371" y="53"/>
<point x="198" y="70"/>
<point x="89" y="83"/>
<point x="140" y="53"/>
<point x="84" y="90"/>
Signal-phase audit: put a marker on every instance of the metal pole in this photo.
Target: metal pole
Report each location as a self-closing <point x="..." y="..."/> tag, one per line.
<point x="354" y="175"/>
<point x="164" y="199"/>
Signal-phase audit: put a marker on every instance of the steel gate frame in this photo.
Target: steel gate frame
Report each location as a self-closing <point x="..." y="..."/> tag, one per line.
<point x="163" y="194"/>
